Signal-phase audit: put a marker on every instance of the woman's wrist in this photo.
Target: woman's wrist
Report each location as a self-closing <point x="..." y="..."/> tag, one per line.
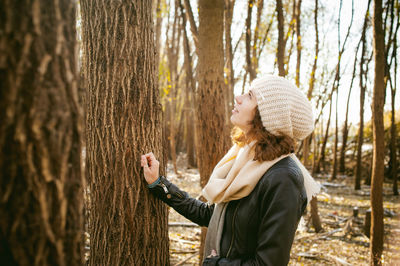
<point x="155" y="183"/>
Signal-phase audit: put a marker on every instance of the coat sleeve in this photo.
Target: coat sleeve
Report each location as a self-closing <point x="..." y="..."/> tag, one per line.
<point x="195" y="210"/>
<point x="282" y="204"/>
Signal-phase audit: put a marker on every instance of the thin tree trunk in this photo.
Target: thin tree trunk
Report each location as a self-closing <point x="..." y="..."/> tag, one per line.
<point x="280" y="54"/>
<point x="123" y="114"/>
<point x="41" y="177"/>
<point x="321" y="157"/>
<point x="334" y="166"/>
<point x="345" y="130"/>
<point x="298" y="44"/>
<point x="311" y="84"/>
<point x="392" y="40"/>
<point x="314" y="67"/>
<point x="316" y="221"/>
<point x="159" y="19"/>
<point x="378" y="101"/>
<point x="229" y="99"/>
<point x="337" y="80"/>
<point x="249" y="64"/>
<point x="190" y="85"/>
<point x="290" y="34"/>
<point x="256" y="43"/>
<point x="393" y="131"/>
<point x="357" y="183"/>
<point x="173" y="55"/>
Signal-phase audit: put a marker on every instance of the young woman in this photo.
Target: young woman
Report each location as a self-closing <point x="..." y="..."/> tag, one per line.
<point x="258" y="191"/>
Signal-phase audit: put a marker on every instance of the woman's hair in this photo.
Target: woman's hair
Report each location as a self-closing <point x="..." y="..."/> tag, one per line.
<point x="267" y="146"/>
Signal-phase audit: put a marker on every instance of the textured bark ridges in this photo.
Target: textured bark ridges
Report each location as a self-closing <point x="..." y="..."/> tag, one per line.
<point x="41" y="195"/>
<point x="128" y="226"/>
<point x="210" y="110"/>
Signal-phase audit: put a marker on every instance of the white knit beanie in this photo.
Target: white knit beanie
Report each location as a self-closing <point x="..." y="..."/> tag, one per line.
<point x="283" y="107"/>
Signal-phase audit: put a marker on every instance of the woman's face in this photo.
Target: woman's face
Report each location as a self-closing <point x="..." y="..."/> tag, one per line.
<point x="244" y="111"/>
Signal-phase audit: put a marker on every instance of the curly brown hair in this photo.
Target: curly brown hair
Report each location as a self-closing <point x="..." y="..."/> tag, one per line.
<point x="267" y="146"/>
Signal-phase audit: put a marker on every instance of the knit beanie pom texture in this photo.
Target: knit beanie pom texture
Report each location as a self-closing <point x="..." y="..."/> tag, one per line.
<point x="283" y="107"/>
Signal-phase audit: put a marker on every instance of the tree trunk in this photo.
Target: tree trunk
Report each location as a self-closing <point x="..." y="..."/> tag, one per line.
<point x="298" y="44"/>
<point x="345" y="130"/>
<point x="280" y="54"/>
<point x="123" y="121"/>
<point x="173" y="55"/>
<point x="378" y="100"/>
<point x="393" y="140"/>
<point x="209" y="111"/>
<point x="357" y="183"/>
<point x="314" y="68"/>
<point x="311" y="82"/>
<point x="316" y="221"/>
<point x="393" y="88"/>
<point x="230" y="75"/>
<point x="157" y="36"/>
<point x="41" y="179"/>
<point x="321" y="157"/>
<point x="257" y="45"/>
<point x="249" y="64"/>
<point x="393" y="132"/>
<point x="335" y="147"/>
<point x="189" y="91"/>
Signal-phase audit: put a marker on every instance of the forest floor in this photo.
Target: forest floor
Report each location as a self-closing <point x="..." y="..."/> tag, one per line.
<point x="341" y="241"/>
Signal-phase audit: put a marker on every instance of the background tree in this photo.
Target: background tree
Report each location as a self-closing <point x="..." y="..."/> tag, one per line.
<point x="210" y="114"/>
<point x="378" y="101"/>
<point x="280" y="51"/>
<point x="362" y="78"/>
<point x="40" y="135"/>
<point x="123" y="121"/>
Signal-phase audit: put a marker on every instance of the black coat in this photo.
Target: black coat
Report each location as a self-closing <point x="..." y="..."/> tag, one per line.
<point x="258" y="229"/>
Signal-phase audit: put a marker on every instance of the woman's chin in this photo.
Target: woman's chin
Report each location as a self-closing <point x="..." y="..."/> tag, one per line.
<point x="233" y="119"/>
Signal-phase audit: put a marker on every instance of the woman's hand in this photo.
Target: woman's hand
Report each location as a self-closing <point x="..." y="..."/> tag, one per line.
<point x="151" y="167"/>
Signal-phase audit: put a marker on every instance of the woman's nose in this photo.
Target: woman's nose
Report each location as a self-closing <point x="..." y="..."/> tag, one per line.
<point x="238" y="98"/>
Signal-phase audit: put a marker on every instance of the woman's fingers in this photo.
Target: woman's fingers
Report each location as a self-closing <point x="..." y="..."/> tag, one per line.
<point x="143" y="161"/>
<point x="150" y="167"/>
<point x="151" y="159"/>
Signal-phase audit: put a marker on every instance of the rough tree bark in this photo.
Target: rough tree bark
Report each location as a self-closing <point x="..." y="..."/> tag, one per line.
<point x="41" y="178"/>
<point x="210" y="112"/>
<point x="123" y="121"/>
<point x="378" y="100"/>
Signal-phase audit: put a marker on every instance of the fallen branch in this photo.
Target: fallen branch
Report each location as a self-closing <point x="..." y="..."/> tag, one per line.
<point x="324" y="235"/>
<point x="176" y="224"/>
<point x="339" y="260"/>
<point x="184" y="251"/>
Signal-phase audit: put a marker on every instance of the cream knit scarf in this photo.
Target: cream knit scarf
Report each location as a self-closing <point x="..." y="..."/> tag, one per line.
<point x="235" y="177"/>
